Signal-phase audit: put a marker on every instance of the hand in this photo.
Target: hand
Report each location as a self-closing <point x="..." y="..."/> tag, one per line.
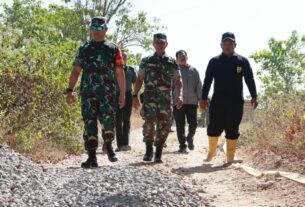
<point x="121" y="100"/>
<point x="179" y="103"/>
<point x="254" y="103"/>
<point x="204" y="105"/>
<point x="70" y="99"/>
<point x="135" y="103"/>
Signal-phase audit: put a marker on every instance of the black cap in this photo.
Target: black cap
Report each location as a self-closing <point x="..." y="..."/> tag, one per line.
<point x="98" y="20"/>
<point x="160" y="36"/>
<point x="228" y="36"/>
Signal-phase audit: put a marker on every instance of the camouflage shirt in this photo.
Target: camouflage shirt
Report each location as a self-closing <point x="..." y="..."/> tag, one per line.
<point x="98" y="61"/>
<point x="158" y="72"/>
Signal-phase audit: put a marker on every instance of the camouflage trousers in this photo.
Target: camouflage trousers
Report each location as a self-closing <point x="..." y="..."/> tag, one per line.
<point x="98" y="108"/>
<point x="157" y="115"/>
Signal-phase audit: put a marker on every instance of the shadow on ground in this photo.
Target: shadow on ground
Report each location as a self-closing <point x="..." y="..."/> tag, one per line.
<point x="205" y="168"/>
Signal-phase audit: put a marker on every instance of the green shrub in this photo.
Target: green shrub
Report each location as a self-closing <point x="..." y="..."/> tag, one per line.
<point x="33" y="76"/>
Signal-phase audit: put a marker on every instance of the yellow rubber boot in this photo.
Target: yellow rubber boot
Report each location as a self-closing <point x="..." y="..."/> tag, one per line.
<point x="213" y="141"/>
<point x="231" y="148"/>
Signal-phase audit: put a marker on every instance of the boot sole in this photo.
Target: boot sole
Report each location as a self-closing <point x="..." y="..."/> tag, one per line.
<point x="147" y="159"/>
<point x="113" y="159"/>
<point x="90" y="166"/>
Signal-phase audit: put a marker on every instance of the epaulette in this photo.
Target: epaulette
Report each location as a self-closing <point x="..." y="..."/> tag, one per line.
<point x="110" y="45"/>
<point x="147" y="58"/>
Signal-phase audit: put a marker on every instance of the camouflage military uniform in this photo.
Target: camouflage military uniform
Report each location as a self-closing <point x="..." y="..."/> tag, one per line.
<point x="98" y="86"/>
<point x="159" y="73"/>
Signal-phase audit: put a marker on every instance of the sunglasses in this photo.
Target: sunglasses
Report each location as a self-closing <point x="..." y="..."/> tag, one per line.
<point x="99" y="28"/>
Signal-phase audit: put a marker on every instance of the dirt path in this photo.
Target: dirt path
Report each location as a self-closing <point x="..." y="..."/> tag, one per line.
<point x="221" y="186"/>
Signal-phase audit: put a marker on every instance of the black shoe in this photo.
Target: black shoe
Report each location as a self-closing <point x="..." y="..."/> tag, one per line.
<point x="158" y="154"/>
<point x="119" y="149"/>
<point x="91" y="162"/>
<point x="149" y="152"/>
<point x="182" y="149"/>
<point x="110" y="153"/>
<point x="125" y="148"/>
<point x="190" y="143"/>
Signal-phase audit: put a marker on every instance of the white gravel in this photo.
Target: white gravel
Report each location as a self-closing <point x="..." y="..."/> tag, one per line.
<point x="24" y="183"/>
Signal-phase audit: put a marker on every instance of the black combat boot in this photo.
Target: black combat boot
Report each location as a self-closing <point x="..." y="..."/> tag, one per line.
<point x="149" y="152"/>
<point x="110" y="152"/>
<point x="190" y="143"/>
<point x="91" y="161"/>
<point x="158" y="154"/>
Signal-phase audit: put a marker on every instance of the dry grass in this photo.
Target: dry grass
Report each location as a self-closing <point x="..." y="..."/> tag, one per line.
<point x="278" y="132"/>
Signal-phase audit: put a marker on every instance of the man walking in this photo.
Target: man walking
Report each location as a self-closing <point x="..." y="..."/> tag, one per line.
<point x="158" y="71"/>
<point x="123" y="114"/>
<point x="191" y="94"/>
<point x="226" y="109"/>
<point x="100" y="62"/>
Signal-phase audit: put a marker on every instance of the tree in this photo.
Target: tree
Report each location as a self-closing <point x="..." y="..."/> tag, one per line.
<point x="135" y="31"/>
<point x="128" y="31"/>
<point x="282" y="65"/>
<point x="107" y="8"/>
<point x="45" y="24"/>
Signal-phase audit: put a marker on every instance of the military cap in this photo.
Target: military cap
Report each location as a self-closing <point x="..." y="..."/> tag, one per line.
<point x="160" y="36"/>
<point x="98" y="20"/>
<point x="228" y="36"/>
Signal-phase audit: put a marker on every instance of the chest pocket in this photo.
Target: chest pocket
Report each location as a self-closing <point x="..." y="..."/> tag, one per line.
<point x="159" y="74"/>
<point x="99" y="57"/>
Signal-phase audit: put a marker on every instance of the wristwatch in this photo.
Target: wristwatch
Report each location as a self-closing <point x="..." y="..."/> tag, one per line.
<point x="68" y="90"/>
<point x="135" y="95"/>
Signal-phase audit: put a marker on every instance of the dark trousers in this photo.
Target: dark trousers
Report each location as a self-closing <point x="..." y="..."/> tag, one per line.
<point x="190" y="112"/>
<point x="225" y="117"/>
<point x="123" y="122"/>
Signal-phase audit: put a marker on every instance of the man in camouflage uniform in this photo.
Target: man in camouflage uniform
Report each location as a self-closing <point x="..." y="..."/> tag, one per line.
<point x="158" y="71"/>
<point x="100" y="62"/>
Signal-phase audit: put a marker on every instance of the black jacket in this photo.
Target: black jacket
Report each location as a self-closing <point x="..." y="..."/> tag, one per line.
<point x="228" y="73"/>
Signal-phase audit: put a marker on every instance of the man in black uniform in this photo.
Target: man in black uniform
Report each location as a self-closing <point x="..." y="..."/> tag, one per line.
<point x="227" y="70"/>
<point x="123" y="115"/>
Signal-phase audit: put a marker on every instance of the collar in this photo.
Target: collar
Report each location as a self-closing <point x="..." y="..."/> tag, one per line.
<point x="97" y="43"/>
<point x="225" y="56"/>
<point x="157" y="56"/>
<point x="187" y="66"/>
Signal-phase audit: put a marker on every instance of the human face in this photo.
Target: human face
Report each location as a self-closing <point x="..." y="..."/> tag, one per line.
<point x="160" y="47"/>
<point x="228" y="47"/>
<point x="182" y="58"/>
<point x="98" y="32"/>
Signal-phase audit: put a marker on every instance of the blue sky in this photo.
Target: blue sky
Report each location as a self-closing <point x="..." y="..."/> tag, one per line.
<point x="196" y="25"/>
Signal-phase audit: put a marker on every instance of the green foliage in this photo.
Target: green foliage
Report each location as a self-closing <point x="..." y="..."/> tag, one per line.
<point x="44" y="24"/>
<point x="35" y="67"/>
<point x="282" y="65"/>
<point x="134" y="31"/>
<point x="128" y="30"/>
<point x="37" y="47"/>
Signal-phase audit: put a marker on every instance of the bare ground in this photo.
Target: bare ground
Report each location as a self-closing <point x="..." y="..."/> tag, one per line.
<point x="219" y="185"/>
